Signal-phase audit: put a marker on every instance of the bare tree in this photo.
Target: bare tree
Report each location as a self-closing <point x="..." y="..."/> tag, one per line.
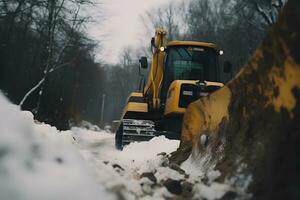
<point x="47" y="61"/>
<point x="55" y="17"/>
<point x="168" y="17"/>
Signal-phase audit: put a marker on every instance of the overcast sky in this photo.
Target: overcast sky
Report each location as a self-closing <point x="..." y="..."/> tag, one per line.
<point x="121" y="26"/>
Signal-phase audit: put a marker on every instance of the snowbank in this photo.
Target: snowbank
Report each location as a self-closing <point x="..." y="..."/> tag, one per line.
<point x="120" y="171"/>
<point x="140" y="156"/>
<point x="39" y="162"/>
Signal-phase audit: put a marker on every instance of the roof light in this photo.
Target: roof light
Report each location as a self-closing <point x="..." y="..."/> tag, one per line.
<point x="162" y="48"/>
<point x="221" y="52"/>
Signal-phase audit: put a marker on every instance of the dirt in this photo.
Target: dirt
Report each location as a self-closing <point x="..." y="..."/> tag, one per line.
<point x="260" y="141"/>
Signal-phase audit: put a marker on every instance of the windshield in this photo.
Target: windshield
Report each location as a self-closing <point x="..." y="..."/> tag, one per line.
<point x="190" y="63"/>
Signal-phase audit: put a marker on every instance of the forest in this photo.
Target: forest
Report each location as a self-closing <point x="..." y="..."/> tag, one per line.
<point x="48" y="64"/>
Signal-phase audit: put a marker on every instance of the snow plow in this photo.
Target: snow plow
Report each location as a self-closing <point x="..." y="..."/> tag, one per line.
<point x="181" y="72"/>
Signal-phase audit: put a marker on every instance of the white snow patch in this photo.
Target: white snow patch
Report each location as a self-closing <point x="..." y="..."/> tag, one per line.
<point x="213" y="175"/>
<point x="190" y="167"/>
<point x="163" y="173"/>
<point x="147" y="151"/>
<point x="86" y="125"/>
<point x="214" y="191"/>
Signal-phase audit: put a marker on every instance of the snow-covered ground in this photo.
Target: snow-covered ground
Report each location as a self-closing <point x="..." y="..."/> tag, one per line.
<point x="120" y="171"/>
<point x="39" y="162"/>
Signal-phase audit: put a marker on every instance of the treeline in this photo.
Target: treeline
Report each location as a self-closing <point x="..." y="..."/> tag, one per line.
<point x="236" y="26"/>
<point x="47" y="62"/>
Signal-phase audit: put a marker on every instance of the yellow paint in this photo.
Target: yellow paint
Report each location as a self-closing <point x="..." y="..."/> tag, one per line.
<point x="285" y="84"/>
<point x="172" y="103"/>
<point x="135" y="107"/>
<point x="173" y="98"/>
<point x="209" y="83"/>
<point x="192" y="43"/>
<point x="136" y="94"/>
<point x="155" y="76"/>
<point x="205" y="114"/>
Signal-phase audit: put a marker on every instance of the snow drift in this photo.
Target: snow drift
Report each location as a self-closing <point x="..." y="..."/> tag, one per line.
<point x="39" y="162"/>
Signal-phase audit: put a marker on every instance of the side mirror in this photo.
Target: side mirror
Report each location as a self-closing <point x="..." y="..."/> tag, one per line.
<point x="144" y="63"/>
<point x="227" y="67"/>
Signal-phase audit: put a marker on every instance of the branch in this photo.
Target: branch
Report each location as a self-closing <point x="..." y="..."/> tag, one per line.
<point x="263" y="14"/>
<point x="41" y="82"/>
<point x="31" y="91"/>
<point x="58" y="67"/>
<point x="58" y="10"/>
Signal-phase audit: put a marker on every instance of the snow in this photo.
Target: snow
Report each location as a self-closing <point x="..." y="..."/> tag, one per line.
<point x="201" y="167"/>
<point x="213" y="175"/>
<point x="190" y="167"/>
<point x="214" y="191"/>
<point x="140" y="156"/>
<point x="135" y="159"/>
<point x="39" y="162"/>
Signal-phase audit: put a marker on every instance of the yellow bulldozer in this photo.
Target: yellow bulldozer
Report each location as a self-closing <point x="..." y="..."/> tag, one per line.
<point x="181" y="72"/>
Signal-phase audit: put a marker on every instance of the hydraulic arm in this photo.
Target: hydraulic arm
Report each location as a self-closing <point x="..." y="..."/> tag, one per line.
<point x="155" y="76"/>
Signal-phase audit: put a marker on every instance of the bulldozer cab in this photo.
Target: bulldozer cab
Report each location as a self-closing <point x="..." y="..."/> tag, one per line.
<point x="189" y="62"/>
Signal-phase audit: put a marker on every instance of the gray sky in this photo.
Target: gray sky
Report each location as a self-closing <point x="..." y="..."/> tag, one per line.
<point x="122" y="25"/>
